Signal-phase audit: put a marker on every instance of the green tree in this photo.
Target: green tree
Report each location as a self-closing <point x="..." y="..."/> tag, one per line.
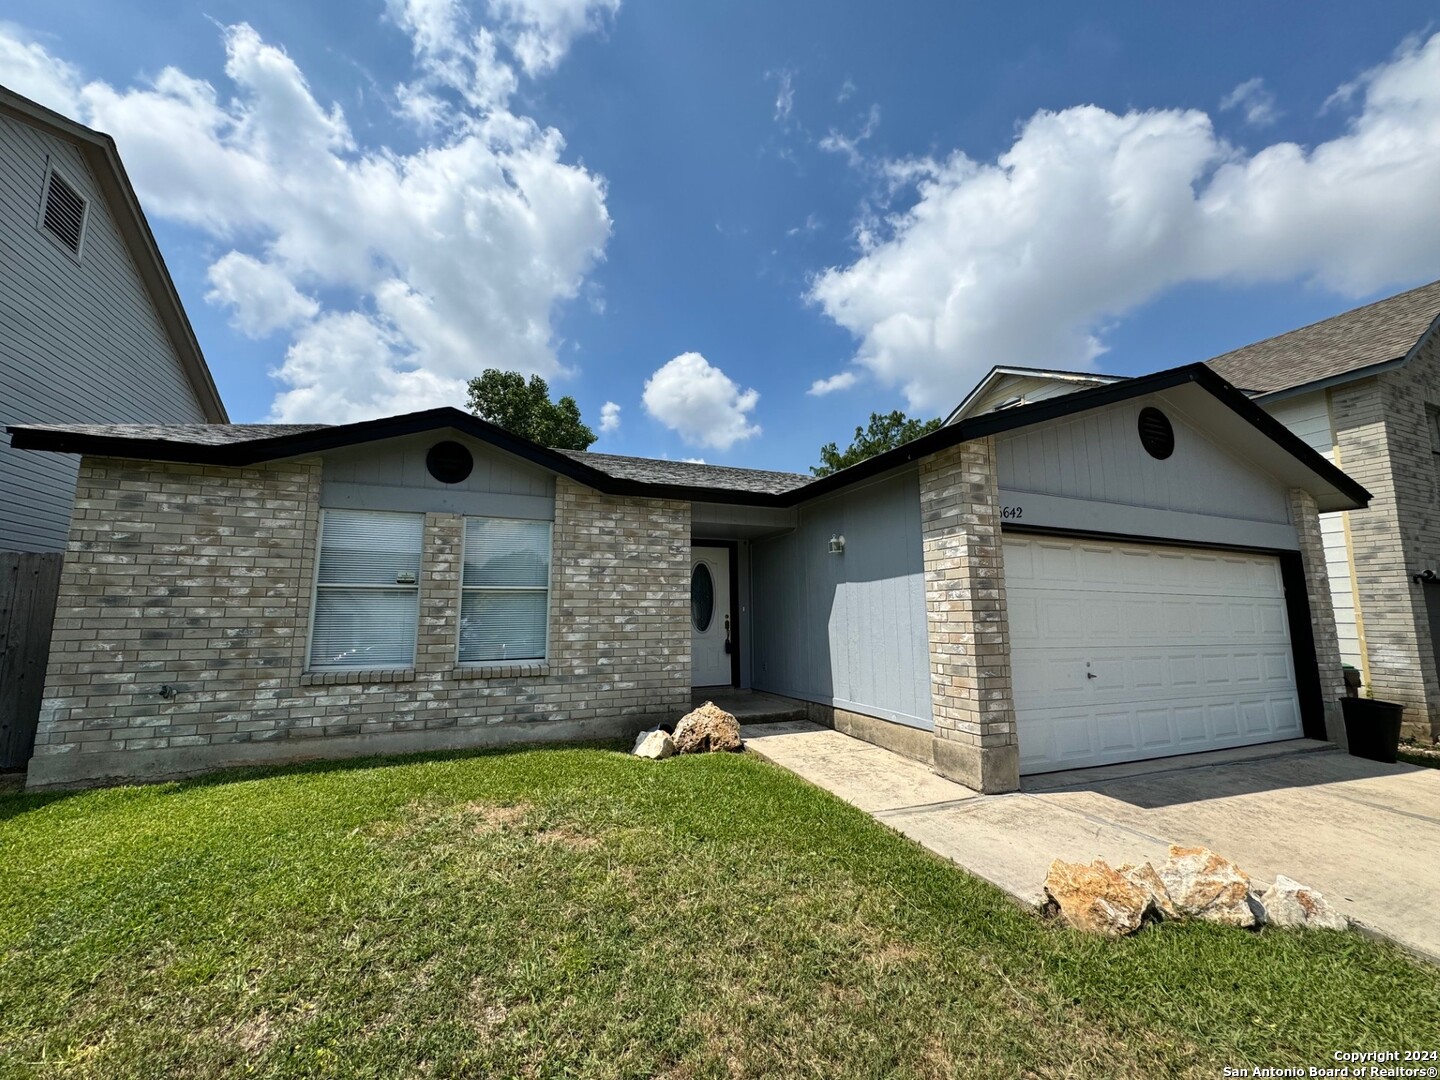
<point x="885" y="432"/>
<point x="505" y="399"/>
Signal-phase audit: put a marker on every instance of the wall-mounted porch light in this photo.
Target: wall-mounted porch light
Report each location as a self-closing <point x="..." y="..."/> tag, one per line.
<point x="837" y="545"/>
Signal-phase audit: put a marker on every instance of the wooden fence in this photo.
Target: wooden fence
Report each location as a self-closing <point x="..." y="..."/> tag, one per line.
<point x="28" y="584"/>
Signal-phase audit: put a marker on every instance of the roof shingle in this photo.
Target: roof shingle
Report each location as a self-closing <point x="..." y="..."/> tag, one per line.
<point x="1385" y="330"/>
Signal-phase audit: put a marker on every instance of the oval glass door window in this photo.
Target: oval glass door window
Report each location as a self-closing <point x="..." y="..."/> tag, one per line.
<point x="702" y="597"/>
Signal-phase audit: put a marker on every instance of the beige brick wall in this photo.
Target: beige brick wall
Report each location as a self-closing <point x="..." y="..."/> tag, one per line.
<point x="200" y="579"/>
<point x="1384" y="443"/>
<point x="975" y="737"/>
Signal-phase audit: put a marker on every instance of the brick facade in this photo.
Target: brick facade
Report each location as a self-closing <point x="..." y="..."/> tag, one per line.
<point x="1306" y="519"/>
<point x="975" y="739"/>
<point x="1383" y="438"/>
<point x="198" y="580"/>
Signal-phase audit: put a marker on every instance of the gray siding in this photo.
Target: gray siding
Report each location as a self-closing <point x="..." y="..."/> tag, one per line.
<point x="1097" y="457"/>
<point x="391" y="475"/>
<point x="847" y="630"/>
<point x="80" y="342"/>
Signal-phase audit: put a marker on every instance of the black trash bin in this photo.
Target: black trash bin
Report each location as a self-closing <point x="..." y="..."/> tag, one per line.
<point x="1372" y="728"/>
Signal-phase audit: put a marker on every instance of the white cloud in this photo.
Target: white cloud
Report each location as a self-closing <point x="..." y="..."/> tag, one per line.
<point x="842" y="381"/>
<point x="849" y="145"/>
<point x="1255" y="100"/>
<point x="691" y="396"/>
<point x="1089" y="214"/>
<point x="452" y="55"/>
<point x="784" y="95"/>
<point x="609" y="417"/>
<point x="846" y="92"/>
<point x="261" y="297"/>
<point x="30" y="71"/>
<point x="540" y="32"/>
<point x="434" y="264"/>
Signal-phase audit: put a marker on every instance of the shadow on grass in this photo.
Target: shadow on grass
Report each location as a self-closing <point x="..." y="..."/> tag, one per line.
<point x="17" y="802"/>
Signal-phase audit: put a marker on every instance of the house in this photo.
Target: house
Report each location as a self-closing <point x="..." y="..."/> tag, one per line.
<point x="1131" y="570"/>
<point x="1362" y="388"/>
<point x="91" y="329"/>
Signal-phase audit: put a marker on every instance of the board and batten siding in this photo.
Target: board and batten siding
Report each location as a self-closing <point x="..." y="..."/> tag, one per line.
<point x="847" y="630"/>
<point x="392" y="475"/>
<point x="80" y="341"/>
<point x="1308" y="416"/>
<point x="1090" y="473"/>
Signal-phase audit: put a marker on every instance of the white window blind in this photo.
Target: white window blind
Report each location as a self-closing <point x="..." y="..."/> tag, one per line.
<point x="367" y="591"/>
<point x="506" y="590"/>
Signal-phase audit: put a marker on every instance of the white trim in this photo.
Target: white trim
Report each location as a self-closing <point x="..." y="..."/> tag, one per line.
<point x="52" y="170"/>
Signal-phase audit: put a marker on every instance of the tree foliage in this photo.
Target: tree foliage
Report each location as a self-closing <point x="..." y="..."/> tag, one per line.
<point x="505" y="399"/>
<point x="885" y="432"/>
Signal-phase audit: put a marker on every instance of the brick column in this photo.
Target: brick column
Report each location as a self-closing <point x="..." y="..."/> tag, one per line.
<point x="1306" y="519"/>
<point x="975" y="739"/>
<point x="436" y="640"/>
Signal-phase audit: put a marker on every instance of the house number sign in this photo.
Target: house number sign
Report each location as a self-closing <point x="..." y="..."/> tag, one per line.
<point x="1012" y="513"/>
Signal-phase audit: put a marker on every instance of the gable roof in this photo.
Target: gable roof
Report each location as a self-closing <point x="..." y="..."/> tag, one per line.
<point x="98" y="150"/>
<point x="1386" y="331"/>
<point x="249" y="444"/>
<point x="1003" y="371"/>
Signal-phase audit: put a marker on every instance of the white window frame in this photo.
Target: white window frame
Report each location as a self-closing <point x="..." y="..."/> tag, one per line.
<point x="549" y="592"/>
<point x="316" y="586"/>
<point x="52" y="170"/>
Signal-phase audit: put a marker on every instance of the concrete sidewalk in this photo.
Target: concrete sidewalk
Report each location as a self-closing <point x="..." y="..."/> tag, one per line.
<point x="1366" y="835"/>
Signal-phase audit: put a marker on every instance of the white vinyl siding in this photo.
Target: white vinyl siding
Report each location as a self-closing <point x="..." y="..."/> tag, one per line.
<point x="505" y="601"/>
<point x="367" y="590"/>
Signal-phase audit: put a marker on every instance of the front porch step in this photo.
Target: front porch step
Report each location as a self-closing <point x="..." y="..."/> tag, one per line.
<point x="751" y="706"/>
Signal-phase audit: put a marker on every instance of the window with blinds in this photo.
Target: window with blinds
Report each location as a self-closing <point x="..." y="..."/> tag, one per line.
<point x="505" y="598"/>
<point x="367" y="590"/>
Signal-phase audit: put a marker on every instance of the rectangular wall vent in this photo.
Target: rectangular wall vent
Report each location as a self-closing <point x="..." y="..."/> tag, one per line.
<point x="64" y="216"/>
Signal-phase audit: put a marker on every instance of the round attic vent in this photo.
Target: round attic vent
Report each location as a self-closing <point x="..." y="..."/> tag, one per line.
<point x="1156" y="434"/>
<point x="449" y="462"/>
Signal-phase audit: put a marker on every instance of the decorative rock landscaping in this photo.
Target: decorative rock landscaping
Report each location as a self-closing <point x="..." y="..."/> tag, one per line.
<point x="1193" y="883"/>
<point x="705" y="730"/>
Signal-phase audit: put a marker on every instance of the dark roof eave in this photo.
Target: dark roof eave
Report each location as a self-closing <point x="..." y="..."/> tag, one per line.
<point x="311" y="442"/>
<point x="987" y="424"/>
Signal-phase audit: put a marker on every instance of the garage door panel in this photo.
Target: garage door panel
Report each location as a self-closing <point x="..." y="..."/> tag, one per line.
<point x="1146" y="651"/>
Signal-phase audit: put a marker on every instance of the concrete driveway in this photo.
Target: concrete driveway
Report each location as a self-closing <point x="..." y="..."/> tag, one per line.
<point x="1366" y="835"/>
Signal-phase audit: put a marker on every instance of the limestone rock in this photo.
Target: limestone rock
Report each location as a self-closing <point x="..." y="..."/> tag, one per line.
<point x="1145" y="877"/>
<point x="1288" y="903"/>
<point x="707" y="728"/>
<point x="654" y="744"/>
<point x="1207" y="886"/>
<point x="1096" y="898"/>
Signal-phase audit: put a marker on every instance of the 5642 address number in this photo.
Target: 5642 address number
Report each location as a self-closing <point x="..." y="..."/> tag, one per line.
<point x="1012" y="513"/>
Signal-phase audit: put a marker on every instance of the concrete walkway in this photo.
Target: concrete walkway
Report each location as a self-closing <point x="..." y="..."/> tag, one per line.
<point x="1366" y="835"/>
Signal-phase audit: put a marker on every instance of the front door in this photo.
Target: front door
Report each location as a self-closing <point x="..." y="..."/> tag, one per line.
<point x="710" y="616"/>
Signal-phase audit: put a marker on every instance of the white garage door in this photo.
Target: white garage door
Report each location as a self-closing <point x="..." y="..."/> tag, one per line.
<point x="1128" y="651"/>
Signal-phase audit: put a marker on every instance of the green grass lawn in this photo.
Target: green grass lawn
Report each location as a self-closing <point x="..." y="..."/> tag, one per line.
<point x="576" y="912"/>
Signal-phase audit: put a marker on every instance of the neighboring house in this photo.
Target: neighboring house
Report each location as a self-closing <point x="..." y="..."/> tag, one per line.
<point x="91" y="329"/>
<point x="1362" y="388"/>
<point x="1128" y="571"/>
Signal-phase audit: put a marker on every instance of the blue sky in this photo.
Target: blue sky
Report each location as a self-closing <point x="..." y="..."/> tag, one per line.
<point x="696" y="213"/>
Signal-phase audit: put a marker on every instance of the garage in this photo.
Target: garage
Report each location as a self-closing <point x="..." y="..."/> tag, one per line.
<point x="1124" y="651"/>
